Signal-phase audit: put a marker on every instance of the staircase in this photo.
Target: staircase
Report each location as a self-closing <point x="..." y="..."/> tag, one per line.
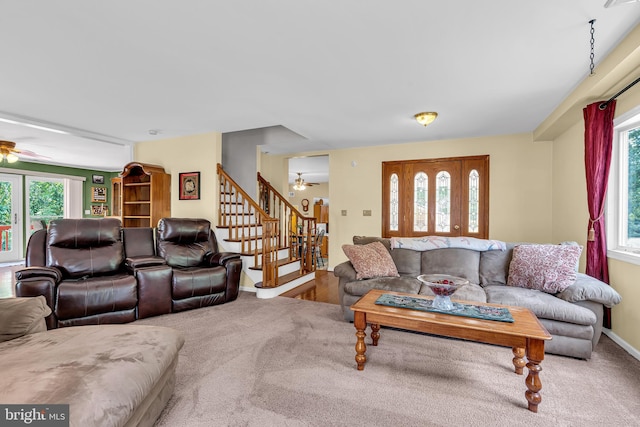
<point x="275" y="240"/>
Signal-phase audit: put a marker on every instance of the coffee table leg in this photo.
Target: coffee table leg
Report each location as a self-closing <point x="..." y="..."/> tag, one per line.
<point x="518" y="359"/>
<point x="535" y="354"/>
<point x="375" y="334"/>
<point x="360" y="322"/>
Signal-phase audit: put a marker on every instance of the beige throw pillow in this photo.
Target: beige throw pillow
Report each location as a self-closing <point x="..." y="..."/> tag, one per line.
<point x="371" y="260"/>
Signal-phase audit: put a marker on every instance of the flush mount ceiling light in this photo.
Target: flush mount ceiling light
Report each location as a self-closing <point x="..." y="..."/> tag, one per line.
<point x="426" y="117"/>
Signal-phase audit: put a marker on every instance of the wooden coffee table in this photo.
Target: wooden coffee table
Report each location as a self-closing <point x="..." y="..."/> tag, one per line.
<point x="526" y="335"/>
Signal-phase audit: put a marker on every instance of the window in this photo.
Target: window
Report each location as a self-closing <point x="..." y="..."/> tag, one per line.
<point x="446" y="197"/>
<point x="623" y="196"/>
<point x="45" y="201"/>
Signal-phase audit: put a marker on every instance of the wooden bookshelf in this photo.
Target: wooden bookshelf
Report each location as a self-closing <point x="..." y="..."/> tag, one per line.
<point x="146" y="195"/>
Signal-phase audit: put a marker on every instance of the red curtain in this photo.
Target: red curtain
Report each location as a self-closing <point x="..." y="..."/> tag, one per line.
<point x="598" y="137"/>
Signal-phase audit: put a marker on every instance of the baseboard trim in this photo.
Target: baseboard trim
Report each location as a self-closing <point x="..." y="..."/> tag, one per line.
<point x="622" y="343"/>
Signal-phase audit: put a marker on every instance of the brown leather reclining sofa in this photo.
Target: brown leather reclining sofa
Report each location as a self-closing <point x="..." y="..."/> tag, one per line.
<point x="93" y="271"/>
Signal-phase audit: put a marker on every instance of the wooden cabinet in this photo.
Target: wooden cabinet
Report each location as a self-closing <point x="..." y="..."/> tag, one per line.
<point x="321" y="213"/>
<point x="116" y="196"/>
<point x="324" y="249"/>
<point x="146" y="195"/>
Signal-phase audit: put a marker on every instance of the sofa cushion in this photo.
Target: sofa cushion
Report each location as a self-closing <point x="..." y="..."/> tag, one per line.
<point x="587" y="288"/>
<point x="452" y="261"/>
<point x="184" y="230"/>
<point x="194" y="281"/>
<point x="85" y="247"/>
<point x="547" y="268"/>
<point x="407" y="261"/>
<point x="543" y="305"/>
<point x="365" y="240"/>
<point x="96" y="295"/>
<point x="22" y="316"/>
<point x="494" y="266"/>
<point x="406" y="284"/>
<point x="565" y="329"/>
<point x="371" y="260"/>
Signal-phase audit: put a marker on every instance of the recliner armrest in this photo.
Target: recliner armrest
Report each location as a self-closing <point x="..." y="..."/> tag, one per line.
<point x="219" y="258"/>
<point x="133" y="263"/>
<point x="38" y="273"/>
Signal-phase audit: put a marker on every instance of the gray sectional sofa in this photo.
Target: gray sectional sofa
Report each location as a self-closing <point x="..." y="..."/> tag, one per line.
<point x="573" y="317"/>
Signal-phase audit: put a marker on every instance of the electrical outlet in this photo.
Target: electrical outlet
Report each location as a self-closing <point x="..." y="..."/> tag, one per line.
<point x="366" y="212"/>
<point x="87" y="212"/>
<point x="344" y="212"/>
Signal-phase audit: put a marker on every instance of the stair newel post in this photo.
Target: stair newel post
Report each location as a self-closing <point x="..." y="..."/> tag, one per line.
<point x="269" y="253"/>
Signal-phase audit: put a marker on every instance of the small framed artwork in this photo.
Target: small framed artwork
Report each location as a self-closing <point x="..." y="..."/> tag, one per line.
<point x="97" y="179"/>
<point x="99" y="210"/>
<point x="190" y="186"/>
<point x="99" y="194"/>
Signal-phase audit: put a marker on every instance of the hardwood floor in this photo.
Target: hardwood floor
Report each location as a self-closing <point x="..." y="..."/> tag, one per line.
<point x="323" y="289"/>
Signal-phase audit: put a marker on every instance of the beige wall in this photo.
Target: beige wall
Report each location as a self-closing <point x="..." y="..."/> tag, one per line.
<point x="187" y="154"/>
<point x="309" y="193"/>
<point x="520" y="181"/>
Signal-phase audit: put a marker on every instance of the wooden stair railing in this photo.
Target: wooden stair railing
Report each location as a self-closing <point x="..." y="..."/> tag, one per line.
<point x="243" y="228"/>
<point x="297" y="231"/>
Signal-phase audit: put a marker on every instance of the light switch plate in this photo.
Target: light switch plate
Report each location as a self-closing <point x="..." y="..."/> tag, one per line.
<point x="344" y="212"/>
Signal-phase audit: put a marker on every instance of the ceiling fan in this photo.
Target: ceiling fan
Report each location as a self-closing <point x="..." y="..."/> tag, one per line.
<point x="300" y="185"/>
<point x="11" y="154"/>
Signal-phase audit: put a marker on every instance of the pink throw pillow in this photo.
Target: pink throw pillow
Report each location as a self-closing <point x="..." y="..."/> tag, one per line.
<point x="371" y="260"/>
<point x="547" y="268"/>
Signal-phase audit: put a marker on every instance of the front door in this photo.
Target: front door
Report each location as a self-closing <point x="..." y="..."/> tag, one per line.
<point x="442" y="197"/>
<point x="10" y="217"/>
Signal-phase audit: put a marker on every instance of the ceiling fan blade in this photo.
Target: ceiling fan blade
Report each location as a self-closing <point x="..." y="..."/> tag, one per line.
<point x="28" y="153"/>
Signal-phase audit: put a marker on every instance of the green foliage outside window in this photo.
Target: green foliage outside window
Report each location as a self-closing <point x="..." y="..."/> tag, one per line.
<point x="46" y="200"/>
<point x="5" y="203"/>
<point x="634" y="183"/>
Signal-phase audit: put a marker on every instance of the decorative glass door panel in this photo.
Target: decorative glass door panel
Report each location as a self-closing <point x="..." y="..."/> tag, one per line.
<point x="446" y="197"/>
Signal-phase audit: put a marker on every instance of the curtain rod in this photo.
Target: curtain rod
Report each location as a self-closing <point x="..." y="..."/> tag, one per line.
<point x="603" y="105"/>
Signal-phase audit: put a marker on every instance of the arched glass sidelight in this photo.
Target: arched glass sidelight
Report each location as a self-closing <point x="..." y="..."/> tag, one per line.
<point x="443" y="202"/>
<point x="394" y="201"/>
<point x="420" y="202"/>
<point x="474" y="200"/>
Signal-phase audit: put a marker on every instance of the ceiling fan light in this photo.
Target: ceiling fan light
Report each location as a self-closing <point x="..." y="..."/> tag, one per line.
<point x="426" y="117"/>
<point x="11" y="158"/>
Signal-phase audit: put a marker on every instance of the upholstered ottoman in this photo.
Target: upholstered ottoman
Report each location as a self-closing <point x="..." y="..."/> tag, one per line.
<point x="110" y="375"/>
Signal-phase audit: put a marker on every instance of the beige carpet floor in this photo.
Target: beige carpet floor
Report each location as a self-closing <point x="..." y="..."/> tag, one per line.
<point x="288" y="362"/>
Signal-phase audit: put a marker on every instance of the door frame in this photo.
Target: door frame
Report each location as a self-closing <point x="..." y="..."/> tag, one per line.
<point x="17" y="230"/>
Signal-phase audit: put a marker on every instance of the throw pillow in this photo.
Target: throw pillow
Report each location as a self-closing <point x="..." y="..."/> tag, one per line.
<point x="371" y="260"/>
<point x="22" y="316"/>
<point x="547" y="268"/>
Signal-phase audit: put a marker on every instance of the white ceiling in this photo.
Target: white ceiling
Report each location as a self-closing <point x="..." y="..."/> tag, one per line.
<point x="340" y="74"/>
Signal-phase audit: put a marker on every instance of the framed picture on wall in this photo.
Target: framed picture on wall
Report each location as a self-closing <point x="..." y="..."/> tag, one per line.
<point x="97" y="179"/>
<point x="189" y="186"/>
<point x="99" y="194"/>
<point x="99" y="210"/>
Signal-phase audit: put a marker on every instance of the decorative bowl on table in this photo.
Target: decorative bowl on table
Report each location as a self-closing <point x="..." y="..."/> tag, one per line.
<point x="443" y="286"/>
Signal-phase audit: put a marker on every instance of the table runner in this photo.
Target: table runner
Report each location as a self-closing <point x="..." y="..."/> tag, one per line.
<point x="483" y="312"/>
